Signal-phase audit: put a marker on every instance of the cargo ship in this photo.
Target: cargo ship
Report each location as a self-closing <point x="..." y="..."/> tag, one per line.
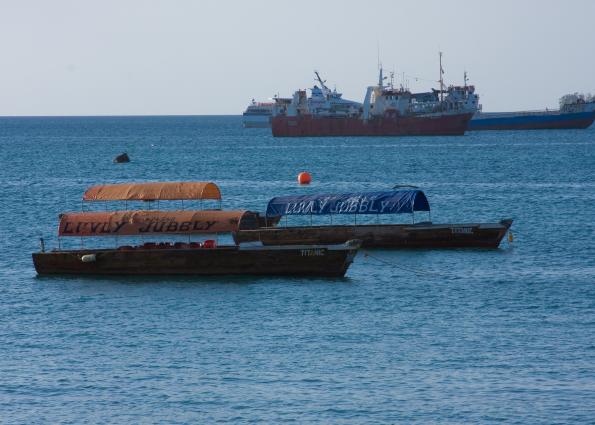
<point x="386" y="111"/>
<point x="576" y="112"/>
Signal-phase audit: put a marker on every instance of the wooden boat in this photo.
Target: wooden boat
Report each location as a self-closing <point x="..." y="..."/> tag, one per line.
<point x="168" y="259"/>
<point x="192" y="257"/>
<point x="420" y="235"/>
<point x="415" y="235"/>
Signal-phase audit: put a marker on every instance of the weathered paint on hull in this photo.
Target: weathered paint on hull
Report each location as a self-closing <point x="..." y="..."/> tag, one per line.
<point x="386" y="235"/>
<point x="217" y="261"/>
<point x="547" y="121"/>
<point x="309" y="126"/>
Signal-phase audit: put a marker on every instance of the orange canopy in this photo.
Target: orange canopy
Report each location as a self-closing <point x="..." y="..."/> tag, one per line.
<point x="153" y="191"/>
<point x="130" y="223"/>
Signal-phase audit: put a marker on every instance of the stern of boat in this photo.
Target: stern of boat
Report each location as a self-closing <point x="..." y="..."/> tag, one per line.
<point x="351" y="246"/>
<point x="507" y="222"/>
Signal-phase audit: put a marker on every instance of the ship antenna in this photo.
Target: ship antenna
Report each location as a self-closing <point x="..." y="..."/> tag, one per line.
<point x="465" y="78"/>
<point x="380" y="77"/>
<point x="441" y="79"/>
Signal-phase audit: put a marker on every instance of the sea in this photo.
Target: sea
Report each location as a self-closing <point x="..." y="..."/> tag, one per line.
<point x="454" y="336"/>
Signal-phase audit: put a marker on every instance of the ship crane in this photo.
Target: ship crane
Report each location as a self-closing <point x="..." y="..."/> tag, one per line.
<point x="325" y="89"/>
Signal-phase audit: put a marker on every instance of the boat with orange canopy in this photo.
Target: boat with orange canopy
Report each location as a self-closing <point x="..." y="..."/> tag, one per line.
<point x="162" y="191"/>
<point x="176" y="257"/>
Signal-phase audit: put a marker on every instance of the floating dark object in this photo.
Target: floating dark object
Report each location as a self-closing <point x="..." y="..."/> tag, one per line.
<point x="123" y="157"/>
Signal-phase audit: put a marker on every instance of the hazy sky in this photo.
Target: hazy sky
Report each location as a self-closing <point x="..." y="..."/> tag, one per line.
<point x="122" y="57"/>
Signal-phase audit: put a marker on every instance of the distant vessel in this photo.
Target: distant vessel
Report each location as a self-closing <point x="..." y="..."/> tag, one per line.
<point x="386" y="111"/>
<point x="322" y="100"/>
<point x="457" y="98"/>
<point x="258" y="115"/>
<point x="325" y="101"/>
<point x="576" y="111"/>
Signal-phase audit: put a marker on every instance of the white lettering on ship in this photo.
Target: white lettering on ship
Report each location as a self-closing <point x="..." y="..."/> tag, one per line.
<point x="464" y="230"/>
<point x="313" y="252"/>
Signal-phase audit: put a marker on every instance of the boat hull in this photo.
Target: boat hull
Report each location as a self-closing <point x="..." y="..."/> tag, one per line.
<point x="422" y="235"/>
<point x="256" y="121"/>
<point x="427" y="125"/>
<point x="331" y="261"/>
<point x="532" y="121"/>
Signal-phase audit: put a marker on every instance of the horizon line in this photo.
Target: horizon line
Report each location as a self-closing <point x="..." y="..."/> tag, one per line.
<point x="120" y="115"/>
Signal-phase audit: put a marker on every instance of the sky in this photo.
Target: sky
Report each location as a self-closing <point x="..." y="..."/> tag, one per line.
<point x="193" y="57"/>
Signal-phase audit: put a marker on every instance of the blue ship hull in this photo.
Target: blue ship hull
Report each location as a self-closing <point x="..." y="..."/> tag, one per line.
<point x="531" y="120"/>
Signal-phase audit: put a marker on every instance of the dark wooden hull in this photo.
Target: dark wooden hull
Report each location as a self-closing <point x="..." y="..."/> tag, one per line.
<point x="295" y="261"/>
<point x="486" y="235"/>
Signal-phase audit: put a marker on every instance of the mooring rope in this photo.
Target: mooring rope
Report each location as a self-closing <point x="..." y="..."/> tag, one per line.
<point x="409" y="269"/>
<point x="509" y="240"/>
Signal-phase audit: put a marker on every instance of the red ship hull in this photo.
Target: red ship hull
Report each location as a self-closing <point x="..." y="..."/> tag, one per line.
<point x="311" y="126"/>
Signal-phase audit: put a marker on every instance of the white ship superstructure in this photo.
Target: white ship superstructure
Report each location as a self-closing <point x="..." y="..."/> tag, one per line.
<point x="323" y="101"/>
<point x="258" y="115"/>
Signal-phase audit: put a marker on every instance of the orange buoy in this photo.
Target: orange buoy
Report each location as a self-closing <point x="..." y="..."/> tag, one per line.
<point x="304" y="177"/>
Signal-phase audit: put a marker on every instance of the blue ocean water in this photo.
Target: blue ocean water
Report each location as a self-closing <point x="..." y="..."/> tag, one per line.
<point x="460" y="336"/>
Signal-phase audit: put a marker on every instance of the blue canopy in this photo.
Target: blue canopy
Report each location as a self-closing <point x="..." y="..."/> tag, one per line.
<point x="382" y="202"/>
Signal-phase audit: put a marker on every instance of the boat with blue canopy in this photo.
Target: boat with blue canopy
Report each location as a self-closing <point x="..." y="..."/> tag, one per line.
<point x="381" y="202"/>
<point x="375" y="204"/>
